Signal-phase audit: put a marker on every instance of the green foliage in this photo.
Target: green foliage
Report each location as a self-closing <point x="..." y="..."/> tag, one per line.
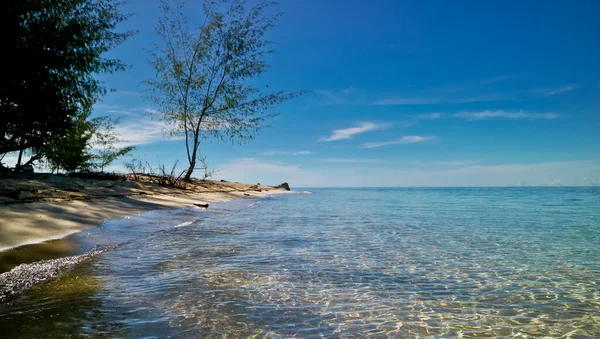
<point x="204" y="166"/>
<point x="202" y="86"/>
<point x="89" y="145"/>
<point x="105" y="144"/>
<point x="68" y="151"/>
<point x="54" y="49"/>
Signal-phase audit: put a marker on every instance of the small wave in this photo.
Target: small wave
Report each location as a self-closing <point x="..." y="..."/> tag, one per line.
<point x="25" y="276"/>
<point x="186" y="223"/>
<point x="307" y="192"/>
<point x="253" y="204"/>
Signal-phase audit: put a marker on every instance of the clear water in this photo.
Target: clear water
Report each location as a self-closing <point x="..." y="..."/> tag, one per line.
<point x="469" y="262"/>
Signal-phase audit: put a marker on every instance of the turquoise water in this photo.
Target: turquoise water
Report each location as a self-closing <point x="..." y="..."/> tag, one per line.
<point x="451" y="262"/>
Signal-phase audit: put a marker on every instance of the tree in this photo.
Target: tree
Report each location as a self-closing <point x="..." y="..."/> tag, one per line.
<point x="53" y="49"/>
<point x="90" y="144"/>
<point x="202" y="87"/>
<point x="105" y="144"/>
<point x="68" y="150"/>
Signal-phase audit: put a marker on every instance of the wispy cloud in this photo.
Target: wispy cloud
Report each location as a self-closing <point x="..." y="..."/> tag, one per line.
<point x="453" y="93"/>
<point x="126" y="111"/>
<point x="353" y="161"/>
<point x="559" y="90"/>
<point x="433" y="99"/>
<point x="412" y="139"/>
<point x="531" y="174"/>
<point x="346" y="96"/>
<point x="254" y="170"/>
<point x="482" y="90"/>
<point x="499" y="88"/>
<point x="141" y="131"/>
<point x="419" y="117"/>
<point x="128" y="93"/>
<point x="150" y="111"/>
<point x="443" y="163"/>
<point x="428" y="116"/>
<point x="252" y="164"/>
<point x="287" y="153"/>
<point x="505" y="115"/>
<point x="347" y="133"/>
<point x="411" y="162"/>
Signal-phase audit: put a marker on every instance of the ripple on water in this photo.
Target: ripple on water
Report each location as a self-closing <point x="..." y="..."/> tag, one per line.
<point x="364" y="263"/>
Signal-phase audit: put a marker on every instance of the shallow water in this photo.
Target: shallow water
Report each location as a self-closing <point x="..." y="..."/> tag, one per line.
<point x="477" y="262"/>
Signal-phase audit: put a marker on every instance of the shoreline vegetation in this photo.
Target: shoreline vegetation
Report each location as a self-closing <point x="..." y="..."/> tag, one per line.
<point x="35" y="208"/>
<point x="204" y="89"/>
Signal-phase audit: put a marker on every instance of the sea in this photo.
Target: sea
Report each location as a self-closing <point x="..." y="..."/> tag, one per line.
<point x="327" y="263"/>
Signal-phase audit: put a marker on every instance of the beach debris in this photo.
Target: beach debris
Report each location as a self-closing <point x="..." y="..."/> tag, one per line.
<point x="285" y="186"/>
<point x="201" y="205"/>
<point x="246" y="194"/>
<point x="25" y="276"/>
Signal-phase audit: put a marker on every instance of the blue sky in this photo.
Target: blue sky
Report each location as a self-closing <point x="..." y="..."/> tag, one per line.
<point x="404" y="93"/>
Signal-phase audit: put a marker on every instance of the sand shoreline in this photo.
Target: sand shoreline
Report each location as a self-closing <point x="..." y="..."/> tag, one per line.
<point x="51" y="209"/>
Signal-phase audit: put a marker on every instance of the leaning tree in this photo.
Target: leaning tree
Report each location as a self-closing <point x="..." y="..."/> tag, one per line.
<point x="203" y="87"/>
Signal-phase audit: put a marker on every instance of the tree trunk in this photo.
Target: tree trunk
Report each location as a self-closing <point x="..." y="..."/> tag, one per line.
<point x="21" y="142"/>
<point x="19" y="159"/>
<point x="188" y="174"/>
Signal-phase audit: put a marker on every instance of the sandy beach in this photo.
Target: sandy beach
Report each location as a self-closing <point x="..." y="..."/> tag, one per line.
<point x="45" y="207"/>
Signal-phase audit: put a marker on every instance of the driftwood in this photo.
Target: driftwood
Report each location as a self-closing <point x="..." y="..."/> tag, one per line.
<point x="201" y="205"/>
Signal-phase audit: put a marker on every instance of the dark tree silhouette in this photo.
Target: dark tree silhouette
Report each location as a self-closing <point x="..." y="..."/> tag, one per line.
<point x="52" y="49"/>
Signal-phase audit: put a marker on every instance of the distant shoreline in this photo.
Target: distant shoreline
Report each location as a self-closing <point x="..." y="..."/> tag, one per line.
<point x="48" y="207"/>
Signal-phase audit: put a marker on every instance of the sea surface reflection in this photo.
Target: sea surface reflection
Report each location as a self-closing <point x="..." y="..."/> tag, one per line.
<point x="477" y="262"/>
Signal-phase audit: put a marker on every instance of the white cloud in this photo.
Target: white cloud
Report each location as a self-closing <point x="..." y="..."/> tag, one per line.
<point x="346" y="96"/>
<point x="521" y="168"/>
<point x="347" y="133"/>
<point x="128" y="93"/>
<point x="411" y="162"/>
<point x="428" y="116"/>
<point x="120" y="110"/>
<point x="506" y="115"/>
<point x="443" y="163"/>
<point x="287" y="153"/>
<point x="476" y="91"/>
<point x="411" y="139"/>
<point x="559" y="90"/>
<point x="150" y="110"/>
<point x="434" y="99"/>
<point x="102" y="106"/>
<point x="252" y="164"/>
<point x="250" y="170"/>
<point x="142" y="131"/>
<point x="535" y="174"/>
<point x="352" y="161"/>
